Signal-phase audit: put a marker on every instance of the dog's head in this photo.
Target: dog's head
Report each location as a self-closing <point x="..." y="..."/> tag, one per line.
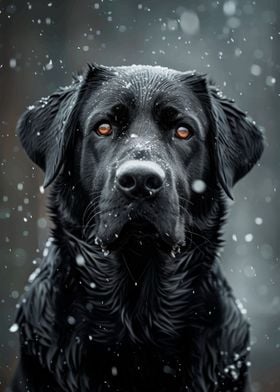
<point x="145" y="145"/>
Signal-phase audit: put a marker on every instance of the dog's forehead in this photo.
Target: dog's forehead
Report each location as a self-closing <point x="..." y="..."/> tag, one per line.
<point x="143" y="84"/>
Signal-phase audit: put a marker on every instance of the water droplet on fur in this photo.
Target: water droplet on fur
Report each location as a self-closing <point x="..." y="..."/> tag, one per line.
<point x="234" y="374"/>
<point x="45" y="252"/>
<point x="97" y="241"/>
<point x="106" y="252"/>
<point x="34" y="275"/>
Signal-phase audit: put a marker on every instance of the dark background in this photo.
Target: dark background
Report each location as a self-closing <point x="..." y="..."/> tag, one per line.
<point x="236" y="42"/>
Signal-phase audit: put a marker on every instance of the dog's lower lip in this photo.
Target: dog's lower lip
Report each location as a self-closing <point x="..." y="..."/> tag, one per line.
<point x="138" y="227"/>
<point x="143" y="232"/>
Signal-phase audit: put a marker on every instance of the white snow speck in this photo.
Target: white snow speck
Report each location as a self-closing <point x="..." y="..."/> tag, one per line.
<point x="256" y="70"/>
<point x="20" y="186"/>
<point x="258" y="220"/>
<point x="234" y="237"/>
<point x="34" y="275"/>
<point x="122" y="28"/>
<point x="13" y="328"/>
<point x="198" y="186"/>
<point x="249" y="237"/>
<point x="13" y="63"/>
<point x="92" y="285"/>
<point x="80" y="260"/>
<point x="42" y="189"/>
<point x="240" y="306"/>
<point x="71" y="320"/>
<point x="114" y="371"/>
<point x="270" y="81"/>
<point x="45" y="252"/>
<point x="49" y="66"/>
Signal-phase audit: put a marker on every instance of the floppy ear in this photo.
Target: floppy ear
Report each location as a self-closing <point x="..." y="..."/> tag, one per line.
<point x="46" y="129"/>
<point x="238" y="143"/>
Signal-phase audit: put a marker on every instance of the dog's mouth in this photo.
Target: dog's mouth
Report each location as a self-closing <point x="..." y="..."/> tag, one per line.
<point x="140" y="232"/>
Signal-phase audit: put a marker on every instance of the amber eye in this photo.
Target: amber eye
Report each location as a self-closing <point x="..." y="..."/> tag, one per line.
<point x="104" y="129"/>
<point x="183" y="133"/>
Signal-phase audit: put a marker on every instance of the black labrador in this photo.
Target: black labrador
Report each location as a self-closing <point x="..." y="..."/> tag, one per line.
<point x="130" y="296"/>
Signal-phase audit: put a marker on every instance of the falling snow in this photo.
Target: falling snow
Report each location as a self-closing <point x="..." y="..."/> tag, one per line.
<point x="236" y="44"/>
<point x="198" y="186"/>
<point x="14" y="328"/>
<point x="80" y="260"/>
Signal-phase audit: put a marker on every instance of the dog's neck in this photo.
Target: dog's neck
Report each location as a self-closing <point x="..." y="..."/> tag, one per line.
<point x="137" y="295"/>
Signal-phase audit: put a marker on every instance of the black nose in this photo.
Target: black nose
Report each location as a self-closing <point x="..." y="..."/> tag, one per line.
<point x="140" y="179"/>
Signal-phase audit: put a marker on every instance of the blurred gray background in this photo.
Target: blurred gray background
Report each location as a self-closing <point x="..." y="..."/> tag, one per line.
<point x="236" y="42"/>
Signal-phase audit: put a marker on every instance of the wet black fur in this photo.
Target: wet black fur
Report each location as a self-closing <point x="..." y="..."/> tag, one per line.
<point x="160" y="316"/>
